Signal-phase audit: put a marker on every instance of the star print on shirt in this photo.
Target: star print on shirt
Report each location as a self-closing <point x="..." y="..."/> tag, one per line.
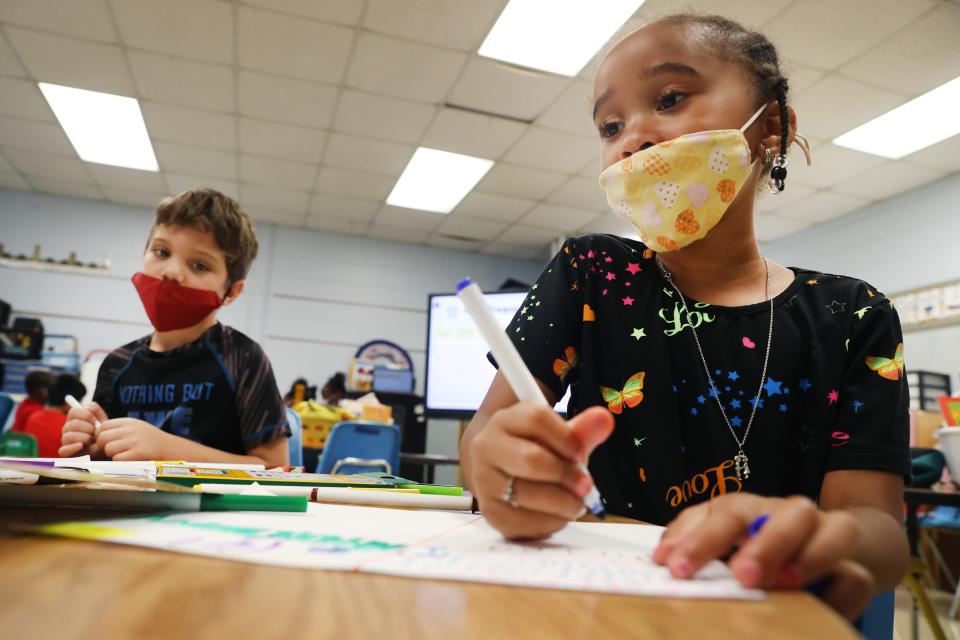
<point x="628" y="301"/>
<point x="693" y="411"/>
<point x="805" y="438"/>
<point x="836" y="307"/>
<point x="638" y="333"/>
<point x="804" y="384"/>
<point x="856" y="406"/>
<point x="701" y="399"/>
<point x="734" y="404"/>
<point x="733" y="375"/>
<point x="861" y="312"/>
<point x="772" y="387"/>
<point x="633" y="268"/>
<point x="833" y="396"/>
<point x="611" y="275"/>
<point x="783" y="408"/>
<point x="736" y="422"/>
<point x="811" y="282"/>
<point x="638" y="441"/>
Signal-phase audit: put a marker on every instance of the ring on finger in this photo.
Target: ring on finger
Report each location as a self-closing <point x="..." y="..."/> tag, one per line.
<point x="509" y="494"/>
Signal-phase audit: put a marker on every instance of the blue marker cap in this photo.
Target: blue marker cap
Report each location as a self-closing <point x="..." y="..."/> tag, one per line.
<point x="463" y="284"/>
<point x="757" y="524"/>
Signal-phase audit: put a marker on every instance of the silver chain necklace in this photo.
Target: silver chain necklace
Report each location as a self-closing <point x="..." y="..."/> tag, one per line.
<point x="740" y="460"/>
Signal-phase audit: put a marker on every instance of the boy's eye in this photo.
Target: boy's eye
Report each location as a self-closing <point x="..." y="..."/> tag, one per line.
<point x="199" y="266"/>
<point x="160" y="252"/>
<point x="670" y="100"/>
<point x="610" y="129"/>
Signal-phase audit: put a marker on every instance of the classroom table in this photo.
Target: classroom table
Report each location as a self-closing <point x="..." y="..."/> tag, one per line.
<point x="66" y="589"/>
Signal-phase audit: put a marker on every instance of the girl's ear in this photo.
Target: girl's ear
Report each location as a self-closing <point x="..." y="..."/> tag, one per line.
<point x="235" y="290"/>
<point x="772" y="132"/>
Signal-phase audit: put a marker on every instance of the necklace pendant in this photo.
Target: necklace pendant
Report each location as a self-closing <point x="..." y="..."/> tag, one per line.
<point x="742" y="466"/>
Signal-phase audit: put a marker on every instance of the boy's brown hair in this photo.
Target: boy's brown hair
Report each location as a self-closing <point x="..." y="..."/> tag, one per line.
<point x="209" y="210"/>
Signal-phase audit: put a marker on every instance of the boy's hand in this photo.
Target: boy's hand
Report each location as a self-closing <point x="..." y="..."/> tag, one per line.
<point x="799" y="545"/>
<point x="132" y="439"/>
<point x="541" y="453"/>
<point x="79" y="435"/>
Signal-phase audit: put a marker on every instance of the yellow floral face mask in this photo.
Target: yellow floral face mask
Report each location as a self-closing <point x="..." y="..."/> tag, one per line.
<point x="675" y="192"/>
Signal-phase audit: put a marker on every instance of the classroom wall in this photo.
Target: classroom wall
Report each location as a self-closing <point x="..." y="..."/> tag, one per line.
<point x="311" y="299"/>
<point x="905" y="242"/>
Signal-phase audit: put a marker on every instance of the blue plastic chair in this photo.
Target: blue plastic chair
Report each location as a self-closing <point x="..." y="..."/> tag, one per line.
<point x="359" y="447"/>
<point x="876" y="623"/>
<point x="6" y="408"/>
<point x="295" y="441"/>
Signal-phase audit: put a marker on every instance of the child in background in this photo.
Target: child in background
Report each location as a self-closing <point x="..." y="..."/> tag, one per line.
<point x="710" y="385"/>
<point x="46" y="425"/>
<point x="334" y="390"/>
<point x="37" y="385"/>
<point x="194" y="389"/>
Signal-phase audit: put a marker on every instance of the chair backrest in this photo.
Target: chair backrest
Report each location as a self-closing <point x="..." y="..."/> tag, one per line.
<point x="6" y="408"/>
<point x="18" y="445"/>
<point x="356" y="445"/>
<point x="296" y="438"/>
<point x="876" y="623"/>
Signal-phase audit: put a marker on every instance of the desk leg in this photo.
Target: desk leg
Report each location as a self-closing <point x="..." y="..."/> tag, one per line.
<point x="913" y="581"/>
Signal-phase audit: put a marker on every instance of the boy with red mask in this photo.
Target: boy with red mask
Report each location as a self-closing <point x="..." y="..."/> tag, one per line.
<point x="194" y="389"/>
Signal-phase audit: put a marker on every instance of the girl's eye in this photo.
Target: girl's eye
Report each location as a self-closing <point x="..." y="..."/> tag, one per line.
<point x="160" y="252"/>
<point x="199" y="266"/>
<point x="610" y="129"/>
<point x="670" y="100"/>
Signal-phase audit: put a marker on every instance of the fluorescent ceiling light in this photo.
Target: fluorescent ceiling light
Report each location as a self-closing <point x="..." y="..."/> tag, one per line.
<point x="559" y="36"/>
<point x="910" y="127"/>
<point x="102" y="127"/>
<point x="437" y="180"/>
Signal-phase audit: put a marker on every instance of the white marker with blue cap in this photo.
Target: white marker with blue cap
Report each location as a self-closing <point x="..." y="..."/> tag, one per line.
<point x="511" y="364"/>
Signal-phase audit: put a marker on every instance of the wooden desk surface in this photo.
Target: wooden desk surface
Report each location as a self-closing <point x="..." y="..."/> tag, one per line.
<point x="52" y="587"/>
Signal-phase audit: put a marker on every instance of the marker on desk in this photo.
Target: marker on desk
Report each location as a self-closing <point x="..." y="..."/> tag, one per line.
<point x="511" y="364"/>
<point x="73" y="402"/>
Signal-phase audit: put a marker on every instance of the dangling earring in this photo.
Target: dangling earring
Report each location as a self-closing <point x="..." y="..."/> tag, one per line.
<point x="778" y="173"/>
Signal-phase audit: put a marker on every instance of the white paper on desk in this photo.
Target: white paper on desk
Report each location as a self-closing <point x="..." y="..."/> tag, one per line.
<point x="609" y="558"/>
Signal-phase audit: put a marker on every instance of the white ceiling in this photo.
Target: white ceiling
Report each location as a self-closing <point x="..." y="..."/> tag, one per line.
<point x="308" y="110"/>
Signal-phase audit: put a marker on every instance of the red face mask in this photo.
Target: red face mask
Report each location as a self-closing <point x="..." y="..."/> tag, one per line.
<point x="172" y="306"/>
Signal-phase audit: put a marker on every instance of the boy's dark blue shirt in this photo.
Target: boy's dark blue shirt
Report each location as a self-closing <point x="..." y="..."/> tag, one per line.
<point x="218" y="391"/>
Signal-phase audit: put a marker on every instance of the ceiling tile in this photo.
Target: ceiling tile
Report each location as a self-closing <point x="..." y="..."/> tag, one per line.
<point x="943" y="156"/>
<point x="277" y="173"/>
<point x="13" y="181"/>
<point x="591" y="169"/>
<point x="513" y="251"/>
<point x="6" y="167"/>
<point x="338" y="225"/>
<point x="44" y="165"/>
<point x="258" y="197"/>
<point x="73" y="63"/>
<point x="831" y="165"/>
<point x="134" y="198"/>
<point x="888" y="180"/>
<point x="195" y="161"/>
<point x="354" y="184"/>
<point x="9" y="65"/>
<point x="284" y="218"/>
<point x="749" y="13"/>
<point x="558" y="218"/>
<point x="403" y="69"/>
<point x="571" y="111"/>
<point x="523" y="236"/>
<point x="493" y="207"/>
<point x="292" y="46"/>
<point x="128" y="179"/>
<point x="553" y="150"/>
<point x="405" y="235"/>
<point x="303" y="103"/>
<point x="343" y="208"/>
<point x="37" y="136"/>
<point x="194" y="127"/>
<point x="455" y="244"/>
<point x="488" y="86"/>
<point x="367" y="154"/>
<point x="767" y="202"/>
<point x="197" y="29"/>
<point x="401" y="218"/>
<point x="382" y="117"/>
<point x="183" y="82"/>
<point x="772" y="227"/>
<point x="821" y="114"/>
<point x="457" y="24"/>
<point x="800" y="76"/>
<point x="65" y="188"/>
<point x="520" y="182"/>
<point x="87" y="19"/>
<point x="820" y="207"/>
<point x="180" y="183"/>
<point x="582" y="193"/>
<point x="472" y="133"/>
<point x="339" y="11"/>
<point x="844" y="35"/>
<point x="474" y="229"/>
<point x="275" y="140"/>
<point x="22" y="99"/>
